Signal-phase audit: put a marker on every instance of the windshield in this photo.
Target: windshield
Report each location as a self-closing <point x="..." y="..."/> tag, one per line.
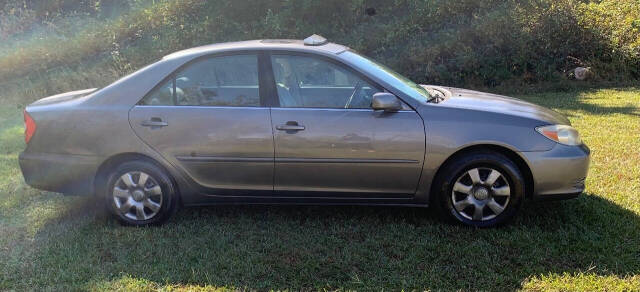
<point x="394" y="78"/>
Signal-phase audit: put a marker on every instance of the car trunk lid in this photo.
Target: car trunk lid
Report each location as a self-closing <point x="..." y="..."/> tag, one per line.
<point x="62" y="97"/>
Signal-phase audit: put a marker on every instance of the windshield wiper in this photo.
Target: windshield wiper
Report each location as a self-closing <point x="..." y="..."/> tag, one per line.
<point x="437" y="97"/>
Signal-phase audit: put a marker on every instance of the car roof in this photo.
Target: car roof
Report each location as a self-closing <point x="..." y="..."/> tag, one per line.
<point x="266" y="44"/>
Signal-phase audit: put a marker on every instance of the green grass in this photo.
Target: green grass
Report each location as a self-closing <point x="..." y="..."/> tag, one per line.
<point x="52" y="242"/>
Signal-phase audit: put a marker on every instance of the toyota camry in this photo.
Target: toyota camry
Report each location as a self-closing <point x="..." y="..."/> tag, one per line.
<point x="297" y="122"/>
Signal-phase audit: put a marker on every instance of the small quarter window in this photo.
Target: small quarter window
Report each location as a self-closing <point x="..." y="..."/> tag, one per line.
<point x="161" y="95"/>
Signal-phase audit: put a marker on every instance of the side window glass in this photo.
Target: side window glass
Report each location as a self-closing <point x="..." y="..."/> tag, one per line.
<point x="220" y="81"/>
<point x="311" y="82"/>
<point x="237" y="71"/>
<point x="161" y="95"/>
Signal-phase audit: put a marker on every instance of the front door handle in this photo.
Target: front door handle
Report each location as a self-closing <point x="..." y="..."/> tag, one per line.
<point x="290" y="126"/>
<point x="154" y="122"/>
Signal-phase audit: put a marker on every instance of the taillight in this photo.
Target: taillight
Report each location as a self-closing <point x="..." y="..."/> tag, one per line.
<point x="29" y="127"/>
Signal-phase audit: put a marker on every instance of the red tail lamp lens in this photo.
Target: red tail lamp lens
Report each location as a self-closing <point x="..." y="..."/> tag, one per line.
<point x="29" y="127"/>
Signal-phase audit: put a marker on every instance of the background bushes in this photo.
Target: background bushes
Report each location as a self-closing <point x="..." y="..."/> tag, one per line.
<point x="48" y="46"/>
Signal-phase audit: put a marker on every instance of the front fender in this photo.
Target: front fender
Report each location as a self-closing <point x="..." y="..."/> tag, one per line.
<point x="450" y="130"/>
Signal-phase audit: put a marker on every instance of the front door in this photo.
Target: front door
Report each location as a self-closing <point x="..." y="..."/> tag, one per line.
<point x="328" y="139"/>
<point x="207" y="119"/>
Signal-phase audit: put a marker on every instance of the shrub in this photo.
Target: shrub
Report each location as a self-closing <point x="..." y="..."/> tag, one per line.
<point x="468" y="43"/>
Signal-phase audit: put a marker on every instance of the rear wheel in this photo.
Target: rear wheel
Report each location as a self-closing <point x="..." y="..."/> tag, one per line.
<point x="140" y="193"/>
<point x="481" y="188"/>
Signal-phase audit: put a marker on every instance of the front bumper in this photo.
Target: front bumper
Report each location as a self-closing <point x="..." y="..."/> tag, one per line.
<point x="62" y="173"/>
<point x="559" y="173"/>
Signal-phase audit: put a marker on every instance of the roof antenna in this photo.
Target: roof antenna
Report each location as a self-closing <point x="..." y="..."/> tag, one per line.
<point x="315" y="40"/>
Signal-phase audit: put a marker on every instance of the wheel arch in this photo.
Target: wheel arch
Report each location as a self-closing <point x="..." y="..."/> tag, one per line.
<point x="523" y="166"/>
<point x="110" y="163"/>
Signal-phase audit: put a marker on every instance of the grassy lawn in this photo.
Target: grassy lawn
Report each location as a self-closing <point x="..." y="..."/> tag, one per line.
<point x="48" y="241"/>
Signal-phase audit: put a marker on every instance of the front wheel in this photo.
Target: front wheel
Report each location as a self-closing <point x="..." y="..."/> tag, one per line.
<point x="481" y="189"/>
<point x="140" y="193"/>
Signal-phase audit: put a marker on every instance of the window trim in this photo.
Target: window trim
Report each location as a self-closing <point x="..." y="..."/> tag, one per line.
<point x="275" y="99"/>
<point x="173" y="74"/>
<point x="174" y="96"/>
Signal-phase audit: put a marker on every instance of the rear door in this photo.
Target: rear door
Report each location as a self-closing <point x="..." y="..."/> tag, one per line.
<point x="208" y="119"/>
<point x="328" y="139"/>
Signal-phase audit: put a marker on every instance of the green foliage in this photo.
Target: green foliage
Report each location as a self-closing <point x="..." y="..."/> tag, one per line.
<point x="464" y="43"/>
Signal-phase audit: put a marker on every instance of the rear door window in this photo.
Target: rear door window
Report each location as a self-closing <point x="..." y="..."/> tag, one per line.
<point x="217" y="81"/>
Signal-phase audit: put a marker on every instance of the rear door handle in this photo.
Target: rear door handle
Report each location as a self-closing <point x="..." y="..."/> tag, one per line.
<point x="154" y="122"/>
<point x="290" y="126"/>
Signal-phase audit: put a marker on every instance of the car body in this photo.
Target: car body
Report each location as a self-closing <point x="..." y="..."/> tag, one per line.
<point x="262" y="134"/>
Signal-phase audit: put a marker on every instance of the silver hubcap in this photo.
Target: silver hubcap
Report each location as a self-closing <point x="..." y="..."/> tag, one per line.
<point x="137" y="196"/>
<point x="480" y="194"/>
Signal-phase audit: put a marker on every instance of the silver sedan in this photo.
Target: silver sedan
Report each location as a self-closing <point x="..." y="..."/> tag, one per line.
<point x="297" y="122"/>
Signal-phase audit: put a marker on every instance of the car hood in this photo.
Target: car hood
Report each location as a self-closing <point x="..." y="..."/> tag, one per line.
<point x="482" y="101"/>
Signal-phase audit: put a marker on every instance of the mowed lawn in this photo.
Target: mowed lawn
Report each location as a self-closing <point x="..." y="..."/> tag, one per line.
<point x="49" y="241"/>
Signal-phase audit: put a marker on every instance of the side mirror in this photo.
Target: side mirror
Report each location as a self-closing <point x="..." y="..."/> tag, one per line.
<point x="386" y="101"/>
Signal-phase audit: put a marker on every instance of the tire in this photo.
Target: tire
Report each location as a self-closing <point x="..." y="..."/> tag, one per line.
<point x="135" y="204"/>
<point x="465" y="185"/>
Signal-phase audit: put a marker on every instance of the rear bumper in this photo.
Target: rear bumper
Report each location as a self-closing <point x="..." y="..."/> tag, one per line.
<point x="63" y="173"/>
<point x="559" y="173"/>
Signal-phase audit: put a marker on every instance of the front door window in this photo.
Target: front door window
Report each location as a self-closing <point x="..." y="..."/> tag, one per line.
<point x="308" y="82"/>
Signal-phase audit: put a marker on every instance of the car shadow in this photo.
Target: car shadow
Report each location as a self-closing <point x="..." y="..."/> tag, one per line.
<point x="309" y="247"/>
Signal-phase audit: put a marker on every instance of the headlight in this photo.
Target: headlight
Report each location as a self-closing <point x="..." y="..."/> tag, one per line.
<point x="562" y="134"/>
